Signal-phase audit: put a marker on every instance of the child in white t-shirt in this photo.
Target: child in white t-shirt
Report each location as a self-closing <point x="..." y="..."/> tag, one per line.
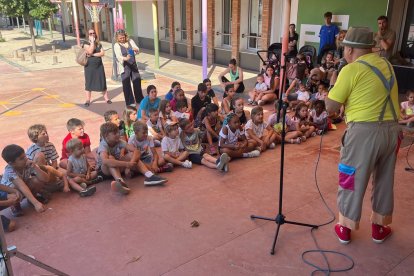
<point x="259" y="131"/>
<point x="172" y="147"/>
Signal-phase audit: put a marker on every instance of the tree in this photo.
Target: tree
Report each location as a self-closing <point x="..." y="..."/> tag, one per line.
<point x="30" y="10"/>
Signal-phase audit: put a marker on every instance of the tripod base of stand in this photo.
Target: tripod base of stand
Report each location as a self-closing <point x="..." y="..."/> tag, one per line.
<point x="280" y="220"/>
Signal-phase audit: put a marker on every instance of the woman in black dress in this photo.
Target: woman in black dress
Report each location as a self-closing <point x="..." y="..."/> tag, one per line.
<point x="95" y="79"/>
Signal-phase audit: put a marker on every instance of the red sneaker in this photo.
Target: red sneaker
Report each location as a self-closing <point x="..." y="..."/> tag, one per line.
<point x="343" y="233"/>
<point x="380" y="233"/>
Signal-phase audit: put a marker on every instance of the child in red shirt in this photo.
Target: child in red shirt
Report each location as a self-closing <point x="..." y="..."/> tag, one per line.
<point x="76" y="130"/>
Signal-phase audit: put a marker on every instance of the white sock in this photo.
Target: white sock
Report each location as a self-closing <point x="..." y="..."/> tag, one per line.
<point x="245" y="154"/>
<point x="148" y="174"/>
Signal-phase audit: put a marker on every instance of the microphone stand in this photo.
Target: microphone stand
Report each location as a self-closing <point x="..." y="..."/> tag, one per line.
<point x="280" y="218"/>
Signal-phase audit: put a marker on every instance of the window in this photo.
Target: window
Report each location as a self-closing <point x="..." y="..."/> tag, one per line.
<point x="226" y="34"/>
<point x="166" y="21"/>
<point x="255" y="23"/>
<point x="407" y="46"/>
<point x="183" y="20"/>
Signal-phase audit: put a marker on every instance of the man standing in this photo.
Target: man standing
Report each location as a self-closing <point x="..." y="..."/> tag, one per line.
<point x="367" y="87"/>
<point x="327" y="36"/>
<point x="384" y="38"/>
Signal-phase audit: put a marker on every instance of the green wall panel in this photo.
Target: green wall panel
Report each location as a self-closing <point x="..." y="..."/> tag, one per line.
<point x="361" y="12"/>
<point x="127" y="10"/>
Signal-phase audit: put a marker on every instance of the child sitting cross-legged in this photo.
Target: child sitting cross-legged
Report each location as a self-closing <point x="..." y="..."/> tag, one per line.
<point x="172" y="148"/>
<point x="407" y="110"/>
<point x="25" y="176"/>
<point x="191" y="139"/>
<point x="147" y="153"/>
<point x="76" y="130"/>
<point x="260" y="132"/>
<point x="319" y="117"/>
<point x="233" y="141"/>
<point x="244" y="115"/>
<point x="227" y="103"/>
<point x="155" y="129"/>
<point x="111" y="116"/>
<point x="181" y="112"/>
<point x="210" y="126"/>
<point x="166" y="114"/>
<point x="80" y="174"/>
<point x="112" y="161"/>
<point x="300" y="122"/>
<point x="129" y="116"/>
<point x="275" y="121"/>
<point x="44" y="154"/>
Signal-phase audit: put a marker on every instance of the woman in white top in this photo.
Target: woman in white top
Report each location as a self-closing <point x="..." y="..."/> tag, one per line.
<point x="125" y="50"/>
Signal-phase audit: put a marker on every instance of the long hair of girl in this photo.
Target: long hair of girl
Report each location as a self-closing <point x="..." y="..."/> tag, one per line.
<point x="127" y="114"/>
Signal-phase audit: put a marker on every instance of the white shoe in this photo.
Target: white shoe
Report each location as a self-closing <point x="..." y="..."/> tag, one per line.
<point x="187" y="164"/>
<point x="223" y="160"/>
<point x="254" y="153"/>
<point x="272" y="146"/>
<point x="250" y="101"/>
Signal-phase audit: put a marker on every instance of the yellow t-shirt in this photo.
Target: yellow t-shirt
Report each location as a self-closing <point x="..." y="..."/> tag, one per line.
<point x="362" y="92"/>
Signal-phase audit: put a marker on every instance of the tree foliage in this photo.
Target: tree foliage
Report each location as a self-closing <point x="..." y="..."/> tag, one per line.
<point x="36" y="9"/>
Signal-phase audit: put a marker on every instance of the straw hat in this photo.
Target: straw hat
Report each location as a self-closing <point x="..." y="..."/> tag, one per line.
<point x="359" y="37"/>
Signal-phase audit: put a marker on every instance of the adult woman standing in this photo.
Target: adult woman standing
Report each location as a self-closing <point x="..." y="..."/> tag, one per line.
<point x="272" y="82"/>
<point x="125" y="50"/>
<point x="236" y="77"/>
<point x="293" y="41"/>
<point x="95" y="79"/>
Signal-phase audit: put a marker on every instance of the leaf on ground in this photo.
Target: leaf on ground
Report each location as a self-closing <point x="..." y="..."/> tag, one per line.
<point x="134" y="259"/>
<point x="195" y="223"/>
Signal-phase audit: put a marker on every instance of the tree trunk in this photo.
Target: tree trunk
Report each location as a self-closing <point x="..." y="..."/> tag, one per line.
<point x="32" y="35"/>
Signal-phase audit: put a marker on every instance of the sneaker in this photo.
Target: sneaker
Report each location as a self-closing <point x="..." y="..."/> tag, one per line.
<point x="343" y="233"/>
<point x="319" y="132"/>
<point x="226" y="167"/>
<point x="313" y="134"/>
<point x="16" y="210"/>
<point x="254" y="153"/>
<point x="42" y="198"/>
<point x="98" y="179"/>
<point x="120" y="186"/>
<point x="83" y="185"/>
<point x="154" y="180"/>
<point x="380" y="233"/>
<point x="166" y="168"/>
<point x="250" y="101"/>
<point x="272" y="146"/>
<point x="88" y="191"/>
<point x="223" y="160"/>
<point x="187" y="164"/>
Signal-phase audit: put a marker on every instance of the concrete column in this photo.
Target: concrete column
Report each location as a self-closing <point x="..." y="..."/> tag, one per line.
<point x="210" y="30"/>
<point x="235" y="29"/>
<point x="266" y="24"/>
<point x="171" y="26"/>
<point x="189" y="23"/>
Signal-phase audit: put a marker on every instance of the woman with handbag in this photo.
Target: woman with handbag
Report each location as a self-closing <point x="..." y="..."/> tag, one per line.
<point x="125" y="50"/>
<point x="95" y="79"/>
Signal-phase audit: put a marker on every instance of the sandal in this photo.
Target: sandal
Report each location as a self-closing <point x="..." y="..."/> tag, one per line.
<point x="87" y="103"/>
